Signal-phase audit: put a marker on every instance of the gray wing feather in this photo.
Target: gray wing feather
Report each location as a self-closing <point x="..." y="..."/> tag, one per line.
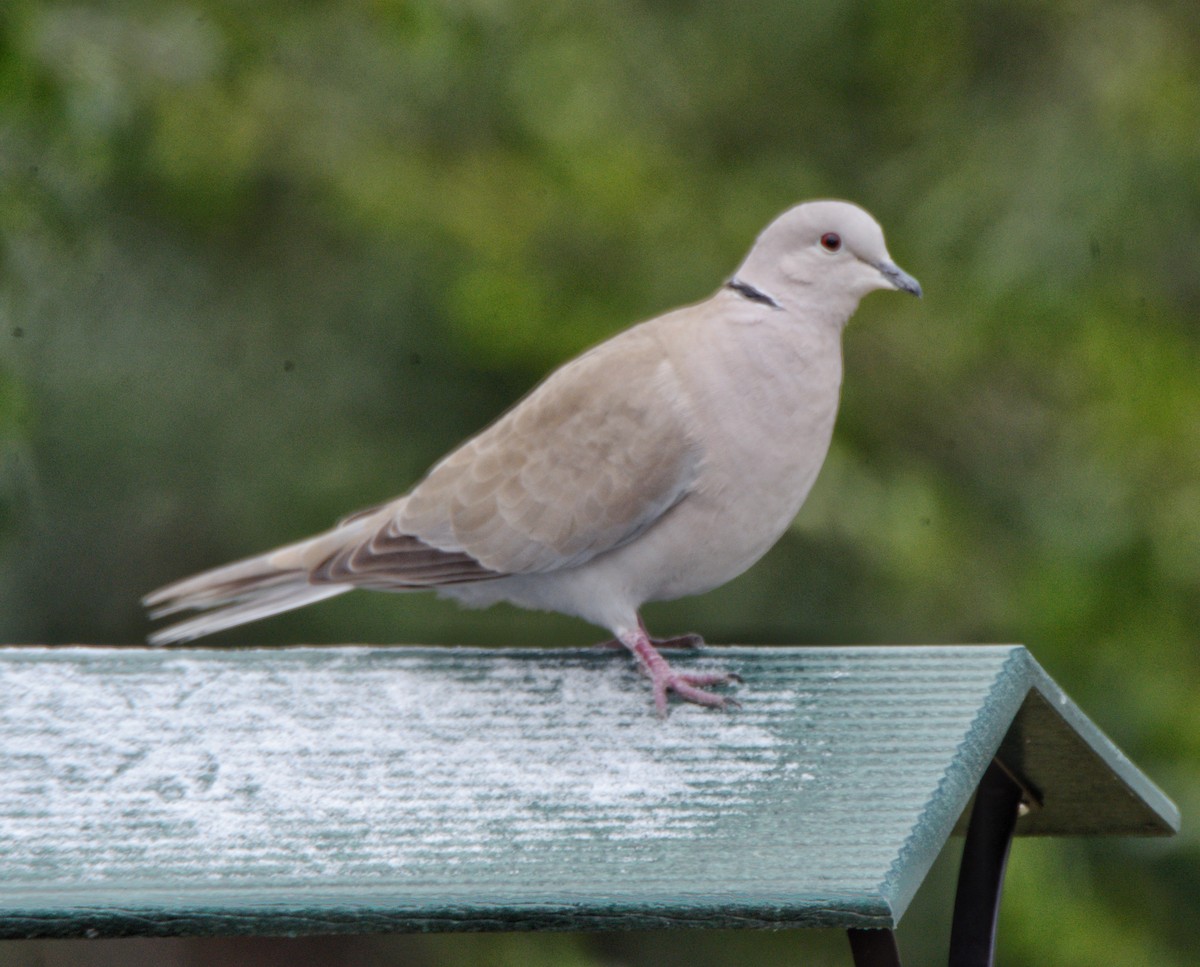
<point x="586" y="462"/>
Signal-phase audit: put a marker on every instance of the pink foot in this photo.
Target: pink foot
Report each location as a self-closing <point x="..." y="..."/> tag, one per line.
<point x="689" y="686"/>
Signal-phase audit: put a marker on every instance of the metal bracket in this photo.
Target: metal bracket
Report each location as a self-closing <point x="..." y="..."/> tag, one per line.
<point x="874" y="948"/>
<point x="999" y="800"/>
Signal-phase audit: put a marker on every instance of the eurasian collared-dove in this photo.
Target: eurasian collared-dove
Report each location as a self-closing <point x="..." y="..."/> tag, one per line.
<point x="661" y="463"/>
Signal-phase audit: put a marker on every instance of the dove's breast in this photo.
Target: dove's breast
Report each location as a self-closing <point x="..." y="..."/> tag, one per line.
<point x="764" y="398"/>
<point x="760" y="398"/>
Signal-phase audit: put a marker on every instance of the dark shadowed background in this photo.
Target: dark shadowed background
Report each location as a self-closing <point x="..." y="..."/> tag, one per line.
<point x="262" y="262"/>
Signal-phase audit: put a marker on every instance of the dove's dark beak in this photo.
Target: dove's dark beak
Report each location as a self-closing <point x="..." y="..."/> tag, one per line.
<point x="899" y="278"/>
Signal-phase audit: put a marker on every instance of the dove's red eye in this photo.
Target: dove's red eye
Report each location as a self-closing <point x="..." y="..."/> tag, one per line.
<point x="832" y="241"/>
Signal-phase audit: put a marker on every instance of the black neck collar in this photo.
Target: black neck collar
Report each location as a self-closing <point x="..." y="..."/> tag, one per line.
<point x="747" y="291"/>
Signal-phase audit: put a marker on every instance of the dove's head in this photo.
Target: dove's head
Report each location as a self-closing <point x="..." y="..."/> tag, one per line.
<point x="826" y="253"/>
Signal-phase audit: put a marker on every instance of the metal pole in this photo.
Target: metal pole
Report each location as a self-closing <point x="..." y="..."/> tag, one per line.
<point x="981" y="875"/>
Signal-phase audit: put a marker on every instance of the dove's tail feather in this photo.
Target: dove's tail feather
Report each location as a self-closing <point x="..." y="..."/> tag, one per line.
<point x="364" y="550"/>
<point x="238" y="593"/>
<point x="239" y="611"/>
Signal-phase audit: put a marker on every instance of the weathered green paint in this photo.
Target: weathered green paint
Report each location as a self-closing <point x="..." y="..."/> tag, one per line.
<point x="346" y="789"/>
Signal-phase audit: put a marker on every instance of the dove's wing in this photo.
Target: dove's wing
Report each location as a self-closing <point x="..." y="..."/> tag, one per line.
<point x="585" y="463"/>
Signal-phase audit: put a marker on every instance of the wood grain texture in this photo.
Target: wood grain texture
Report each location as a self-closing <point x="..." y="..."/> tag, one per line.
<point x="337" y="789"/>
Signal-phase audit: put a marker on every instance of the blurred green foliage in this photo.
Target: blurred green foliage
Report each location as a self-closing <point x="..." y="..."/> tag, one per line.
<point x="261" y="263"/>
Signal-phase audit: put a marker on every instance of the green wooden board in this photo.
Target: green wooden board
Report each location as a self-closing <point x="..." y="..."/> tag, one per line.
<point x="319" y="790"/>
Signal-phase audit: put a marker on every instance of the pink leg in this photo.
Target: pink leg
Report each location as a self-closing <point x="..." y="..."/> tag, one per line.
<point x="687" y="685"/>
<point x="690" y="640"/>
